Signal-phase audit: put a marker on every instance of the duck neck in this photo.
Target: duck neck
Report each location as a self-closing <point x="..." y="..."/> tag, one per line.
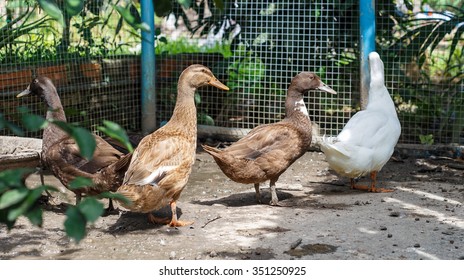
<point x="295" y="108"/>
<point x="52" y="133"/>
<point x="185" y="113"/>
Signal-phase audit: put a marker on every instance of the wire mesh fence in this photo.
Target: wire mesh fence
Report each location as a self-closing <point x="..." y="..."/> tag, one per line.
<point x="92" y="60"/>
<point x="255" y="47"/>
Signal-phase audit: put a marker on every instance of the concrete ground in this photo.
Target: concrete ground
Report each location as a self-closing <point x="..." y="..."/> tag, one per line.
<point x="323" y="219"/>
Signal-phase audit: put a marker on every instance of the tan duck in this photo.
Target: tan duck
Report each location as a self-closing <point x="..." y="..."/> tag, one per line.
<point x="162" y="162"/>
<point x="269" y="149"/>
<point x="60" y="152"/>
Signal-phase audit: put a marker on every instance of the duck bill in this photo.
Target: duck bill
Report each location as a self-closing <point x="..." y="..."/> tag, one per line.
<point x="218" y="84"/>
<point x="326" y="88"/>
<point x="24" y="93"/>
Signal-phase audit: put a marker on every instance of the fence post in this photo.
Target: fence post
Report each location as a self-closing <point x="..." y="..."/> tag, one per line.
<point x="367" y="44"/>
<point x="148" y="69"/>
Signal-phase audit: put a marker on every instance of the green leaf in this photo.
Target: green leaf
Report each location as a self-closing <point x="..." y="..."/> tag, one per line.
<point x="66" y="127"/>
<point x="14" y="128"/>
<point x="74" y="7"/>
<point x="13" y="177"/>
<point x="132" y="20"/>
<point x="35" y="216"/>
<point x="185" y="3"/>
<point x="12" y="197"/>
<point x="53" y="10"/>
<point x="33" y="122"/>
<point x="80" y="182"/>
<point x="115" y="196"/>
<point x="30" y="200"/>
<point x="84" y="139"/>
<point x="75" y="223"/>
<point x="4" y="219"/>
<point x="115" y="131"/>
<point x="91" y="208"/>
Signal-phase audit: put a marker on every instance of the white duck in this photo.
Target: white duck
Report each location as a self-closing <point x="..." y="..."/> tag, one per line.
<point x="368" y="140"/>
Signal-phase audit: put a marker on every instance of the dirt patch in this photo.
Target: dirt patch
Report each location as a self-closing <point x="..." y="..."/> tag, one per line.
<point x="323" y="219"/>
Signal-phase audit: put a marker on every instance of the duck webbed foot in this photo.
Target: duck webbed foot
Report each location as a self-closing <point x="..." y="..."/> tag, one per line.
<point x="372" y="187"/>
<point x="274" y="199"/>
<point x="174" y="222"/>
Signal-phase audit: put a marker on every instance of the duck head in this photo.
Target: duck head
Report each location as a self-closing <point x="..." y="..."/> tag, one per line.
<point x="306" y="81"/>
<point x="197" y="75"/>
<point x="39" y="86"/>
<point x="376" y="70"/>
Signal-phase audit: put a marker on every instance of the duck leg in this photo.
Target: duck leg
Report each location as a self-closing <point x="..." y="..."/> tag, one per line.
<point x="258" y="194"/>
<point x="374" y="180"/>
<point x="274" y="199"/>
<point x="174" y="222"/>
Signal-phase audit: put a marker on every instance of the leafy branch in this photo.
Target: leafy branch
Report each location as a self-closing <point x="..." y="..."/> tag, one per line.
<point x="17" y="200"/>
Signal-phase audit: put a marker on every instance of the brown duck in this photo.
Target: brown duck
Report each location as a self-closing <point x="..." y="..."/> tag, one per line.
<point x="162" y="162"/>
<point x="268" y="150"/>
<point x="60" y="152"/>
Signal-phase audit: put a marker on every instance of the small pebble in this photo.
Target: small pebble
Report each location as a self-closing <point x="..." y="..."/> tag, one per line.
<point x="417" y="245"/>
<point x="447" y="232"/>
<point x="383" y="228"/>
<point x="416" y="219"/>
<point x="394" y="214"/>
<point x="172" y="255"/>
<point x="390" y="235"/>
<point x="451" y="241"/>
<point x="213" y="254"/>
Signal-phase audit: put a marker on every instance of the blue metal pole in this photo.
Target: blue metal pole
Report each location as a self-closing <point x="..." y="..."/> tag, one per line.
<point x="367" y="44"/>
<point x="148" y="68"/>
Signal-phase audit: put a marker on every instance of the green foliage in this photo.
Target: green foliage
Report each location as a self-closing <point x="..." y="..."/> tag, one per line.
<point x="184" y="45"/>
<point x="132" y="17"/>
<point x="423" y="36"/>
<point x="53" y="10"/>
<point x="80" y="182"/>
<point x="77" y="217"/>
<point x="426" y="139"/>
<point x="17" y="200"/>
<point x="115" y="131"/>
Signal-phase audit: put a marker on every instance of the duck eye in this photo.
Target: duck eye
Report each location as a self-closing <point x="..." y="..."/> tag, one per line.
<point x="35" y="81"/>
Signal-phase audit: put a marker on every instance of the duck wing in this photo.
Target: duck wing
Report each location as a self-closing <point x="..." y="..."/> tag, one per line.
<point x="277" y="139"/>
<point x="155" y="158"/>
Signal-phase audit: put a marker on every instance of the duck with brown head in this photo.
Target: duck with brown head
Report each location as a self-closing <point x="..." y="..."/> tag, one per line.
<point x="162" y="162"/>
<point x="60" y="152"/>
<point x="268" y="150"/>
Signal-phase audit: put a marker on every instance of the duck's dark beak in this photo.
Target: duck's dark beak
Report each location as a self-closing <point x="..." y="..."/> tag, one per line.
<point x="216" y="83"/>
<point x="326" y="88"/>
<point x="24" y="93"/>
